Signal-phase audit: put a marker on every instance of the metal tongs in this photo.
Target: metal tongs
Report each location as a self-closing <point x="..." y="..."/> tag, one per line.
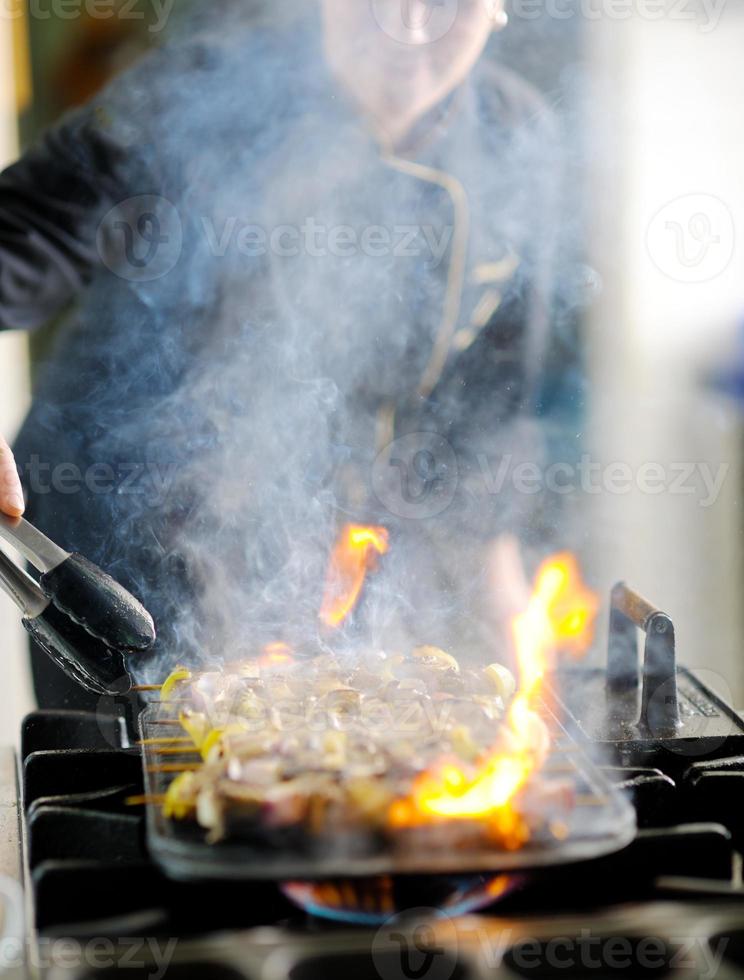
<point x="80" y="616"/>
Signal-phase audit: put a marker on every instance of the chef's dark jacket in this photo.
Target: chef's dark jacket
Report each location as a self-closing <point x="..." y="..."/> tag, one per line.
<point x="226" y="355"/>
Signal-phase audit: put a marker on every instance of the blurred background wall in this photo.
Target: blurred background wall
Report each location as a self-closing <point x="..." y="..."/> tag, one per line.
<point x="15" y="96"/>
<point x="667" y="212"/>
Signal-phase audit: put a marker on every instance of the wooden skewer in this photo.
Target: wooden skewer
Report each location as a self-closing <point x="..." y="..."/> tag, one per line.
<point x="176" y="740"/>
<point x="169" y="701"/>
<point x="552" y="769"/>
<point x="591" y="800"/>
<point x="175" y="767"/>
<point x="147" y="687"/>
<point x="151" y="800"/>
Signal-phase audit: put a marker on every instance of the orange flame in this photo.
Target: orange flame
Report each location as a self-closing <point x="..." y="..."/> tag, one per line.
<point x="559" y="615"/>
<point x="276" y="655"/>
<point x="354" y="554"/>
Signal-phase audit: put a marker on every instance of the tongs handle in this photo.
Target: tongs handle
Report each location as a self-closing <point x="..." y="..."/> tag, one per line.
<point x="98" y="603"/>
<point x="36" y="547"/>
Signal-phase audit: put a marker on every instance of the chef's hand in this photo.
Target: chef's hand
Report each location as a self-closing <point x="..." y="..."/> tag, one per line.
<point x="11" y="494"/>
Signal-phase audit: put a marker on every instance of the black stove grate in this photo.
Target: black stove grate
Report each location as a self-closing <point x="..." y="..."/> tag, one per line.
<point x="85" y="848"/>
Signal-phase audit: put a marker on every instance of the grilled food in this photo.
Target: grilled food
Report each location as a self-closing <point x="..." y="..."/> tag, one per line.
<point x="325" y="746"/>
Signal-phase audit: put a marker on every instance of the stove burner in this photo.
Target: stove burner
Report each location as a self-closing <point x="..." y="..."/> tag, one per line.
<point x="372" y="901"/>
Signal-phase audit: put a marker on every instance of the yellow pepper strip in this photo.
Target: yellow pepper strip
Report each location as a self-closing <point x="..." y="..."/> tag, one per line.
<point x="210" y="741"/>
<point x="501" y="680"/>
<point x="196" y="725"/>
<point x="437" y="658"/>
<point x="178" y="675"/>
<point x="179" y="800"/>
<point x="464" y="744"/>
<point x="214" y="738"/>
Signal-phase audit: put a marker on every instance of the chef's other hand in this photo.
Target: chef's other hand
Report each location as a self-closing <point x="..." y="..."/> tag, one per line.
<point x="11" y="494"/>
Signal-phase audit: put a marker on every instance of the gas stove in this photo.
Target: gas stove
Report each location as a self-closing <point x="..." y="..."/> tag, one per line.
<point x="670" y="903"/>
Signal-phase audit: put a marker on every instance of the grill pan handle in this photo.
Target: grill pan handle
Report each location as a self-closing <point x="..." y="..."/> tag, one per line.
<point x="630" y="612"/>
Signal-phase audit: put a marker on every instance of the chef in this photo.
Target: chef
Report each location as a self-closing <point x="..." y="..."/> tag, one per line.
<point x="279" y="244"/>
